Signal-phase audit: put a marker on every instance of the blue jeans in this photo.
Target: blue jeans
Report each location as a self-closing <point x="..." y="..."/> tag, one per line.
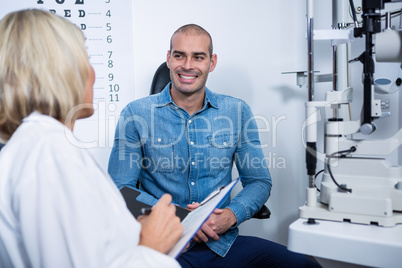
<point x="247" y="252"/>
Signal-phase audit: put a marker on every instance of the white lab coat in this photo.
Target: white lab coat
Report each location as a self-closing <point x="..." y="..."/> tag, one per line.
<point x="58" y="208"/>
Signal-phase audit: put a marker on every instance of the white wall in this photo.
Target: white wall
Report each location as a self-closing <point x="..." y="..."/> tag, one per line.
<point x="255" y="41"/>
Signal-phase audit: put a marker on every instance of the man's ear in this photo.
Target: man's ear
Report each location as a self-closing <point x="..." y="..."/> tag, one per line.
<point x="214" y="61"/>
<point x="168" y="59"/>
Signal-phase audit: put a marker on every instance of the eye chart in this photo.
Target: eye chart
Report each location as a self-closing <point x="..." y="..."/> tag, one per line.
<point x="107" y="27"/>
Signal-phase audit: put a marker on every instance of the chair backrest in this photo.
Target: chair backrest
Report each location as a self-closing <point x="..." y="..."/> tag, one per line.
<point x="161" y="79"/>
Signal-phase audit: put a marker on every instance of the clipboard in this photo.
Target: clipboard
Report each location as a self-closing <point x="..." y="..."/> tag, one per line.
<point x="196" y="218"/>
<point x="191" y="220"/>
<point x="134" y="206"/>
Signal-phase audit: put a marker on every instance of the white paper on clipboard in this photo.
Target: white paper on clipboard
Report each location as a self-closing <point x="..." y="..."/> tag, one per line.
<point x="196" y="218"/>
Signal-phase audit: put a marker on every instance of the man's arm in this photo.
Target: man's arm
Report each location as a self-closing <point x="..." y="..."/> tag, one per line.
<point x="126" y="158"/>
<point x="256" y="181"/>
<point x="253" y="169"/>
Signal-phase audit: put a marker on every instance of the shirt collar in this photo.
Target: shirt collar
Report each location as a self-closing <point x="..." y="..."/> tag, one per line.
<point x="36" y="117"/>
<point x="165" y="98"/>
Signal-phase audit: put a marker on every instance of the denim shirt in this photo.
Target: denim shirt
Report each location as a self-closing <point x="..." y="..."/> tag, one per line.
<point x="161" y="146"/>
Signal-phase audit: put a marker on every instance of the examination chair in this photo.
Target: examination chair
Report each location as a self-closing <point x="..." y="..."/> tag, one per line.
<point x="160" y="80"/>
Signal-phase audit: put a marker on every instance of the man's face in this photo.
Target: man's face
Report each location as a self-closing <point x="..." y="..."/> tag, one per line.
<point x="189" y="62"/>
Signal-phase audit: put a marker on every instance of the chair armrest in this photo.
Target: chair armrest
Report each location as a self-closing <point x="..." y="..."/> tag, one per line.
<point x="263" y="213"/>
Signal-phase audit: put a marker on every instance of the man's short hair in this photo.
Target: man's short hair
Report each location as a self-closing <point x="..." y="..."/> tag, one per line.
<point x="44" y="67"/>
<point x="194" y="29"/>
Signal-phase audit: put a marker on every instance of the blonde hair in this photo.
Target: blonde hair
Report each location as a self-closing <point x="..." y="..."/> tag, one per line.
<point x="44" y="67"/>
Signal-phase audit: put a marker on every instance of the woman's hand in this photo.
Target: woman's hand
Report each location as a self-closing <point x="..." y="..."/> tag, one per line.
<point x="162" y="228"/>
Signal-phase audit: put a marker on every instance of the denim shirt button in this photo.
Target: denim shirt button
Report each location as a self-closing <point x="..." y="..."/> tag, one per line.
<point x="159" y="139"/>
<point x="189" y="121"/>
<point x="224" y="143"/>
<point x="192" y="143"/>
<point x="193" y="163"/>
<point x="192" y="183"/>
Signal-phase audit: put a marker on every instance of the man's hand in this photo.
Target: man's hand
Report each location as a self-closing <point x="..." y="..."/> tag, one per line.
<point x="218" y="223"/>
<point x="162" y="228"/>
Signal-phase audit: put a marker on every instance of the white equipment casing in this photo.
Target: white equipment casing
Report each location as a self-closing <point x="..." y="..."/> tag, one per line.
<point x="376" y="196"/>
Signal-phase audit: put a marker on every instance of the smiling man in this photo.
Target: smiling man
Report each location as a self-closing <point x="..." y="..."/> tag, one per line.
<point x="190" y="63"/>
<point x="184" y="141"/>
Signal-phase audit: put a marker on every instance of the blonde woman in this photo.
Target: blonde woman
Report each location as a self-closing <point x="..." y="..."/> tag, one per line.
<point x="57" y="207"/>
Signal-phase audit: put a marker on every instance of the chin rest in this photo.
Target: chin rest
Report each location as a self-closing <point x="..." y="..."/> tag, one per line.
<point x="160" y="80"/>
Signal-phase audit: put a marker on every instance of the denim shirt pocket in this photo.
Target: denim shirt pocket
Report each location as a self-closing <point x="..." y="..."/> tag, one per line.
<point x="222" y="148"/>
<point x="159" y="155"/>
